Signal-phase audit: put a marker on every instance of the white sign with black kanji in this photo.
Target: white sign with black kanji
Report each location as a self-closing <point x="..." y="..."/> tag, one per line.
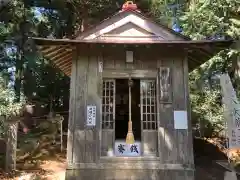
<point x="235" y="138"/>
<point x="236" y="116"/>
<point x="232" y="111"/>
<point x="234" y="128"/>
<point x="91" y="115"/>
<point x="127" y="150"/>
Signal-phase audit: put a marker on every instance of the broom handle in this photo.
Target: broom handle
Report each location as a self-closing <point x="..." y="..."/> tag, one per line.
<point x="130" y="105"/>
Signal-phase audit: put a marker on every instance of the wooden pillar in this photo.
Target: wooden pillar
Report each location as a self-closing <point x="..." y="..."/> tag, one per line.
<point x="175" y="145"/>
<point x="188" y="107"/>
<point x="83" y="140"/>
<point x="181" y="103"/>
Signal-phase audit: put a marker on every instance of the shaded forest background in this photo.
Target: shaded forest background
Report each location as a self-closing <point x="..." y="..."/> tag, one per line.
<point x="27" y="77"/>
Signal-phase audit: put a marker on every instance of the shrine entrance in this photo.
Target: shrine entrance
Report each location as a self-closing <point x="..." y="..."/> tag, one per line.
<point x="115" y="116"/>
<point x="122" y="109"/>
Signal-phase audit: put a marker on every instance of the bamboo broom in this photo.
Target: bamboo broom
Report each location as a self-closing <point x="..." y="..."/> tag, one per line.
<point x="130" y="136"/>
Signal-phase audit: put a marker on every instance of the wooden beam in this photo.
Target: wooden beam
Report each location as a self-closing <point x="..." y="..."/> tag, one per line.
<point x="67" y="67"/>
<point x="68" y="73"/>
<point x="63" y="57"/>
<point x="49" y="49"/>
<point x="193" y="63"/>
<point x="60" y="63"/>
<point x="193" y="58"/>
<point x="64" y="64"/>
<point x="204" y="51"/>
<point x="127" y="73"/>
<point x="225" y="43"/>
<point x="56" y="51"/>
<point x="60" y="55"/>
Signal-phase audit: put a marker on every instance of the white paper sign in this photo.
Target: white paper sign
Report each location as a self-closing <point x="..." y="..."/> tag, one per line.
<point x="127" y="150"/>
<point x="180" y="120"/>
<point x="91" y="115"/>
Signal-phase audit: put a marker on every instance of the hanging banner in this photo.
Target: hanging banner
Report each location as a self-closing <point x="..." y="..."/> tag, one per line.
<point x="231" y="112"/>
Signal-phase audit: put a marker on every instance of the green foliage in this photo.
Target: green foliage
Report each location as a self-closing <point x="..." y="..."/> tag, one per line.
<point x="205" y="19"/>
<point x="166" y="11"/>
<point x="8" y="107"/>
<point x="212" y="20"/>
<point x="207" y="111"/>
<point x="40" y="82"/>
<point x="36" y="78"/>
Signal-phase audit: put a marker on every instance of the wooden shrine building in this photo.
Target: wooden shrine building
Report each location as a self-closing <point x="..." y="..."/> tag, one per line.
<point x="129" y="71"/>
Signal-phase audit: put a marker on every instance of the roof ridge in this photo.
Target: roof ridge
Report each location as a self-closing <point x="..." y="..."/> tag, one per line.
<point x="137" y="12"/>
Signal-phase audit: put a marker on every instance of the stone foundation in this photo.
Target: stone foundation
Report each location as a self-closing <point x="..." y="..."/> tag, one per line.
<point x="123" y="174"/>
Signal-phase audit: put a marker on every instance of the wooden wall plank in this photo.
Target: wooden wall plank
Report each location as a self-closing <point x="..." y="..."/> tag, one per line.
<point x="178" y="85"/>
<point x="110" y="62"/>
<point x="190" y="159"/>
<point x="107" y="141"/>
<point x="138" y="60"/>
<point x="99" y="92"/>
<point x="160" y="129"/>
<point x="149" y="143"/>
<point x="119" y="59"/>
<point x="71" y="116"/>
<point x="78" y="146"/>
<point x="81" y="91"/>
<point x="167" y="135"/>
<point x="180" y="103"/>
<point x="86" y="81"/>
<point x="174" y="144"/>
<point x="166" y="132"/>
<point x="80" y="109"/>
<point x="93" y="98"/>
<point x="116" y="60"/>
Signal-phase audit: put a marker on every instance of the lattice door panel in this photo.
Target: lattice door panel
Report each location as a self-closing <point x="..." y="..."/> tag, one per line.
<point x="108" y="104"/>
<point x="148" y="104"/>
<point x="149" y="117"/>
<point x="108" y="116"/>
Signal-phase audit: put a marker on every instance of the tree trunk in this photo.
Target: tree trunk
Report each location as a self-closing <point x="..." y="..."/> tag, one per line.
<point x="18" y="76"/>
<point x="11" y="145"/>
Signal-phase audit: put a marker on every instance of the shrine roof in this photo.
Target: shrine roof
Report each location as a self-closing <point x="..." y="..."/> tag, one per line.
<point x="129" y="28"/>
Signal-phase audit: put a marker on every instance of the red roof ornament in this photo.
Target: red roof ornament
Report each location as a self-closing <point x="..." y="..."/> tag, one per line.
<point x="129" y="5"/>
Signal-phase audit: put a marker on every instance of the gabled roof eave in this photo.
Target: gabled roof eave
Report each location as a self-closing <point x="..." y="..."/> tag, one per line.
<point x="124" y="14"/>
<point x="60" y="51"/>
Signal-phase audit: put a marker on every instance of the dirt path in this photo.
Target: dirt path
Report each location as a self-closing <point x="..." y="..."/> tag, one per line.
<point x="48" y="170"/>
<point x="55" y="170"/>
